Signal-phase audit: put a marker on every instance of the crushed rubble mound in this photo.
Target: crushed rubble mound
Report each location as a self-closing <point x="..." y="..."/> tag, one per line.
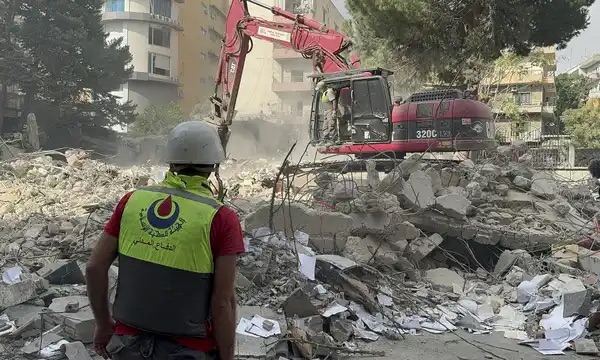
<point x="432" y="247"/>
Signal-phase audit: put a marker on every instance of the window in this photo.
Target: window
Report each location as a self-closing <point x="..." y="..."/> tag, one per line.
<point x="115" y="5"/>
<point x="297" y="76"/>
<point x="522" y="98"/>
<point x="161" y="7"/>
<point x="159" y="64"/>
<point x="299" y="108"/>
<point x="324" y="15"/>
<point x="159" y="36"/>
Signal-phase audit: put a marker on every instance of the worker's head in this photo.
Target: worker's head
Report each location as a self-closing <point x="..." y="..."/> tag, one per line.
<point x="194" y="148"/>
<point x="320" y="85"/>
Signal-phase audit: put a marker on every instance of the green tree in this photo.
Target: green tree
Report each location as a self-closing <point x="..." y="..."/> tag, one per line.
<point x="72" y="62"/>
<point x="453" y="39"/>
<point x="582" y="125"/>
<point x="572" y="91"/>
<point x="157" y="120"/>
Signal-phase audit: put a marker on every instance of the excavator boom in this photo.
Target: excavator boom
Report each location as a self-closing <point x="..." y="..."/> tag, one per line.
<point x="306" y="36"/>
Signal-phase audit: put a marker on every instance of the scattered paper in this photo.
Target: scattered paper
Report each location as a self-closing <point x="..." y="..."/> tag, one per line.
<point x="301" y="237"/>
<point x="242" y="326"/>
<point x="52" y="350"/>
<point x="256" y="327"/>
<point x="334" y="309"/>
<point x="307" y="265"/>
<point x="12" y="275"/>
<point x="320" y="289"/>
<point x="384" y="300"/>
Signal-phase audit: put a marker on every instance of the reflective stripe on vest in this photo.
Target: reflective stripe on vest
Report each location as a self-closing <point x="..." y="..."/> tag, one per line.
<point x="165" y="261"/>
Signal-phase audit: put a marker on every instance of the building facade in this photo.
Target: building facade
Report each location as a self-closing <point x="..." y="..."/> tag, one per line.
<point x="150" y="28"/>
<point x="275" y="79"/>
<point x="531" y="91"/>
<point x="591" y="69"/>
<point x="199" y="49"/>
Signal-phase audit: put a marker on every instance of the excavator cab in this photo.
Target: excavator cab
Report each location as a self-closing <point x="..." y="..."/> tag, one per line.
<point x="362" y="107"/>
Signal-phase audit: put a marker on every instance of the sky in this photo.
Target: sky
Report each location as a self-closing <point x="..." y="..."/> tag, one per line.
<point x="578" y="49"/>
<point x="583" y="46"/>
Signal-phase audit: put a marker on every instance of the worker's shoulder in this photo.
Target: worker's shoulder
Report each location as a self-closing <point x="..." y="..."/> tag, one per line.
<point x="225" y="211"/>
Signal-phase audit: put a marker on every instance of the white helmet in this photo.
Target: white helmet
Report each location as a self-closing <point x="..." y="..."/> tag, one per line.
<point x="194" y="143"/>
<point x="320" y="85"/>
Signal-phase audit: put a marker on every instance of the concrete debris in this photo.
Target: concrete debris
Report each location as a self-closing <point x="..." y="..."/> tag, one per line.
<point x="428" y="248"/>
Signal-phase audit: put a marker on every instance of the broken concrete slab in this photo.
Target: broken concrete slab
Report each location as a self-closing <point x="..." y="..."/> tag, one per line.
<point x="453" y="205"/>
<point x="255" y="347"/>
<point x="365" y="223"/>
<point x="76" y="351"/>
<point x="77" y="325"/>
<point x="327" y="230"/>
<point x="586" y="346"/>
<point x="436" y="179"/>
<point x="341" y="329"/>
<point x="21" y="292"/>
<point x="445" y="279"/>
<point x="62" y="272"/>
<point x="34" y="347"/>
<point x="506" y="260"/>
<point x="298" y="304"/>
<point x="418" y="191"/>
<point x="522" y="182"/>
<point x="420" y="248"/>
<point x="544" y="185"/>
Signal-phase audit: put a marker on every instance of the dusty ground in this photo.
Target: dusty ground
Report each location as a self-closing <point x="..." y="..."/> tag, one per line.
<point x="451" y="347"/>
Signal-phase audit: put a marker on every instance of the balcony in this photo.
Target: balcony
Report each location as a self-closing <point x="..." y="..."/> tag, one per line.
<point x="305" y="86"/>
<point x="280" y="53"/>
<point x="143" y="76"/>
<point x="140" y="16"/>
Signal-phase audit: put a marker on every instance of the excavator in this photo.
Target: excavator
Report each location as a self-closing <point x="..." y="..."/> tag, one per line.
<point x="369" y="124"/>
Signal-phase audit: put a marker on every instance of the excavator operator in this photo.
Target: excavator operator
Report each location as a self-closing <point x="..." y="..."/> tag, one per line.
<point x="329" y="98"/>
<point x="177" y="248"/>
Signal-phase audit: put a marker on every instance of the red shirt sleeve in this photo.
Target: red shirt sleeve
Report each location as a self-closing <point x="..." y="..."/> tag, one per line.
<point x="113" y="226"/>
<point x="226" y="233"/>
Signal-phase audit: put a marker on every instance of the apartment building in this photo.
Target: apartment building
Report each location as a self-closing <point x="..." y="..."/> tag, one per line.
<point x="590" y="68"/>
<point x="199" y="49"/>
<point x="275" y="78"/>
<point x="150" y="28"/>
<point x="531" y="87"/>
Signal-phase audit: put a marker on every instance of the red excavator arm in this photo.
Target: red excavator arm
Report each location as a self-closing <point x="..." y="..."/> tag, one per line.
<point x="306" y="36"/>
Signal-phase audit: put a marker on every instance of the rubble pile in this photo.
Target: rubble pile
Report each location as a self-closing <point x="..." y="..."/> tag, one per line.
<point x="431" y="247"/>
<point x="249" y="178"/>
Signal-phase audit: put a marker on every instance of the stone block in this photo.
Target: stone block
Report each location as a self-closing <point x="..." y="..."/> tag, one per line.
<point x="422" y="247"/>
<point x="418" y="191"/>
<point x="453" y="205"/>
<point x="79" y="325"/>
<point x="327" y="230"/>
<point x="20" y="292"/>
<point x="76" y="351"/>
<point x="62" y="272"/>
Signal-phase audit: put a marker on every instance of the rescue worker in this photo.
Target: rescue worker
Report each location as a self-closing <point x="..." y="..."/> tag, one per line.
<point x="177" y="248"/>
<point x="330" y="124"/>
<point x="594" y="169"/>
